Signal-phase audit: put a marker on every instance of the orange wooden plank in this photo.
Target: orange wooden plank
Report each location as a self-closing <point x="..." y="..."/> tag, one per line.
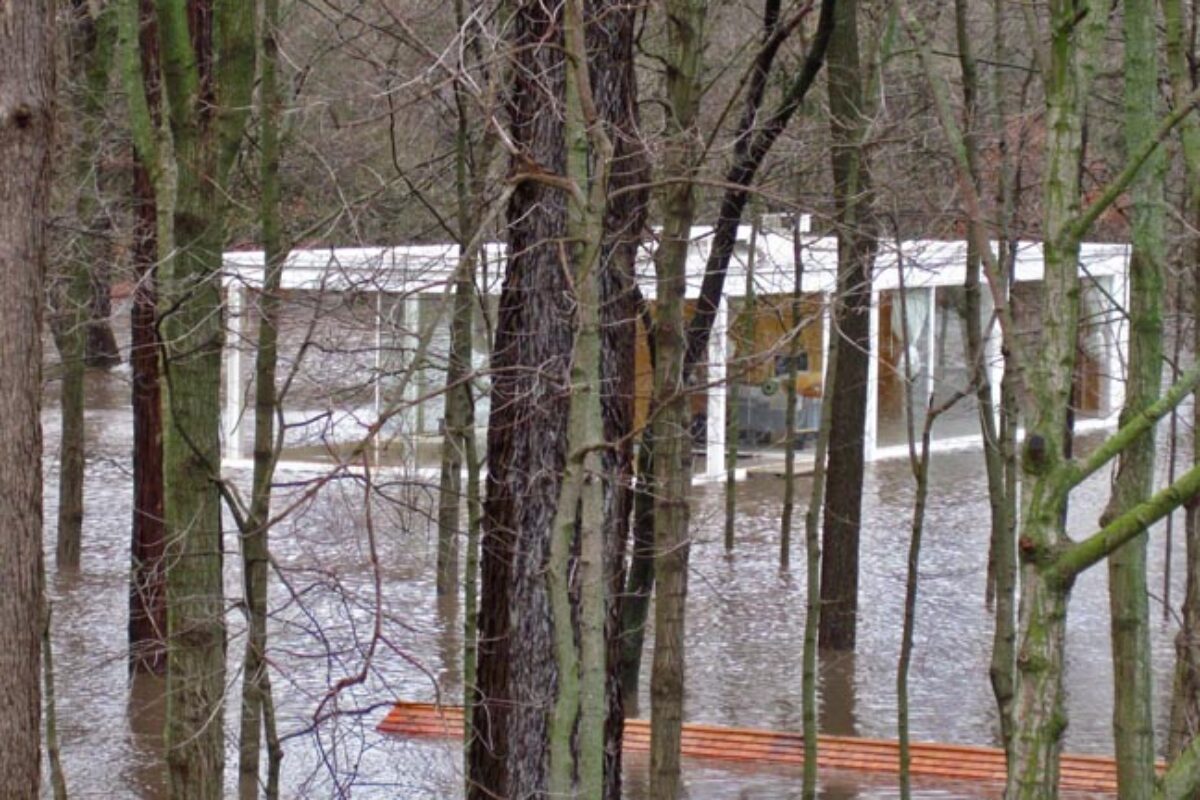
<point x="930" y="759"/>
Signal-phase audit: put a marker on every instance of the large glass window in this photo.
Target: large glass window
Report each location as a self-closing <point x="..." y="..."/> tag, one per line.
<point x="904" y="359"/>
<point x="767" y="341"/>
<point x="1096" y="352"/>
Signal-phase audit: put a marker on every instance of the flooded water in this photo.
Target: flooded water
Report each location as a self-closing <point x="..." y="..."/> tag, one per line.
<point x="744" y="636"/>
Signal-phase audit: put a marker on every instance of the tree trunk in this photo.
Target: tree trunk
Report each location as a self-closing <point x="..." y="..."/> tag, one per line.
<point x="812" y="588"/>
<point x="998" y="440"/>
<point x="794" y="349"/>
<point x="610" y="36"/>
<point x="26" y="133"/>
<point x="509" y="755"/>
<point x="1133" y="724"/>
<point x="577" y="728"/>
<point x="639" y="582"/>
<point x="257" y="716"/>
<point x="191" y="324"/>
<point x="1038" y="713"/>
<point x="671" y="428"/>
<point x="848" y="393"/>
<point x="1185" y="704"/>
<point x="90" y="45"/>
<point x="70" y="339"/>
<point x="207" y="56"/>
<point x="147" y="578"/>
<point x="58" y="779"/>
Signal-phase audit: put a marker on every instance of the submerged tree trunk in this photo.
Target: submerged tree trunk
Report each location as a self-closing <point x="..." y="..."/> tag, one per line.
<point x="90" y="45"/>
<point x="258" y="705"/>
<point x="848" y="392"/>
<point x="517" y="677"/>
<point x="812" y="588"/>
<point x="1038" y="711"/>
<point x="207" y="55"/>
<point x="745" y="332"/>
<point x="70" y="337"/>
<point x="1133" y="724"/>
<point x="672" y="425"/>
<point x="26" y="133"/>
<point x="920" y="465"/>
<point x="147" y="578"/>
<point x="1185" y="704"/>
<point x="459" y="415"/>
<point x="58" y="779"/>
<point x="794" y="349"/>
<point x="610" y="36"/>
<point x="919" y="460"/>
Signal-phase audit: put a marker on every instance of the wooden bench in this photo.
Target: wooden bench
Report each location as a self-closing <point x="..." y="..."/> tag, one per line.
<point x="749" y="745"/>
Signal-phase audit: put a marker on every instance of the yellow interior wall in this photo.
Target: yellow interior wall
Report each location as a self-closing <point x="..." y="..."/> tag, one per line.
<point x="643" y="373"/>
<point x="754" y="363"/>
<point x="774" y="318"/>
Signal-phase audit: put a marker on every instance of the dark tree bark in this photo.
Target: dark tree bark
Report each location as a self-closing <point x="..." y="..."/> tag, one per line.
<point x="610" y="37"/>
<point x="848" y="393"/>
<point x="1185" y="705"/>
<point x="527" y="427"/>
<point x="147" y="577"/>
<point x="26" y="130"/>
<point x="517" y="677"/>
<point x="147" y="588"/>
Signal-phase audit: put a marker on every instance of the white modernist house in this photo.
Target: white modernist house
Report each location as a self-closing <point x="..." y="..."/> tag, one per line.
<point x="374" y="327"/>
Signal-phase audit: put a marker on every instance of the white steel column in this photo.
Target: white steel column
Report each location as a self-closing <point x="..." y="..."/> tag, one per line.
<point x="232" y="422"/>
<point x="1118" y="356"/>
<point x="718" y="354"/>
<point x="826" y="341"/>
<point x="379" y="310"/>
<point x="409" y="418"/>
<point x="994" y="352"/>
<point x="871" y="428"/>
<point x="931" y="333"/>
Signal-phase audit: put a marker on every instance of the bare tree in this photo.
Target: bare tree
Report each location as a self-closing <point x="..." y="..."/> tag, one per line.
<point x="207" y="57"/>
<point x="26" y="135"/>
<point x="849" y="106"/>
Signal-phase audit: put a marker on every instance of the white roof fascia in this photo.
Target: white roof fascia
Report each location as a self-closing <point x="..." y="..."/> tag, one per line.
<point x="429" y="269"/>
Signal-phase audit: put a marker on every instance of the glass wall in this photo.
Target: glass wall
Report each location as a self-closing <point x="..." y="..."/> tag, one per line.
<point x="767" y="341"/>
<point x="953" y="369"/>
<point x="1096" y="357"/>
<point x="904" y="362"/>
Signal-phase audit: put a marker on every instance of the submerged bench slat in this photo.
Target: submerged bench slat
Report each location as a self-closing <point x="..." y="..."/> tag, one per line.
<point x="928" y="759"/>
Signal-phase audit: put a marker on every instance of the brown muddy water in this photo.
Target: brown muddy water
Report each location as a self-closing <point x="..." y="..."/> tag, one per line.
<point x="744" y="634"/>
